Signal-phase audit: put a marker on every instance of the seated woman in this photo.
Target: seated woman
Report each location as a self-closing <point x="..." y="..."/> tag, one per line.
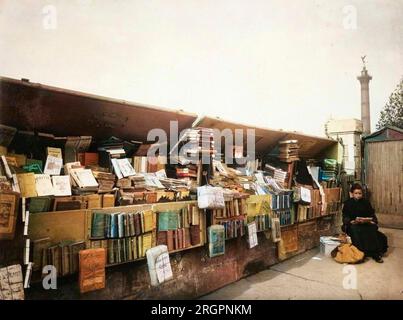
<point x="363" y="232"/>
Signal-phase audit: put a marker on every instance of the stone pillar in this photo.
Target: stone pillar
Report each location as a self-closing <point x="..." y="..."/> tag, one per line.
<point x="364" y="79"/>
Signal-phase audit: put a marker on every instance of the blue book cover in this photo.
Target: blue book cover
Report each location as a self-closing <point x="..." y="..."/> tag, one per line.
<point x="120" y="225"/>
<point x="114" y="225"/>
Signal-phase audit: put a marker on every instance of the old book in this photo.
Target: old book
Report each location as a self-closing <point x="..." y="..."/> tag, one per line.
<point x="93" y="201"/>
<point x="195" y="215"/>
<point x="194" y="235"/>
<point x="74" y="249"/>
<point x="26" y="182"/>
<point x="162" y="237"/>
<point x="11" y="282"/>
<point x="40" y="204"/>
<point x="54" y="152"/>
<point x="92" y="269"/>
<point x="34" y="167"/>
<point x="148" y="220"/>
<point x="65" y="205"/>
<point x="167" y="221"/>
<point x="8" y="214"/>
<point x="180" y="238"/>
<point x="61" y="185"/>
<point x="98" y="225"/>
<point x="88" y="158"/>
<point x="5" y="185"/>
<point x="7" y="170"/>
<point x="65" y="257"/>
<point x="44" y="186"/>
<point x="39" y="247"/>
<point x="147" y="243"/>
<point x="187" y="239"/>
<point x="124" y="183"/>
<point x="53" y="165"/>
<point x="21" y="159"/>
<point x="83" y="177"/>
<point x="108" y="200"/>
<point x="216" y="235"/>
<point x="170" y="240"/>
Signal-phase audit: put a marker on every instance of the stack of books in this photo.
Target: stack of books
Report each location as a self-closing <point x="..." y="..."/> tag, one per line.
<point x="288" y="150"/>
<point x="276" y="173"/>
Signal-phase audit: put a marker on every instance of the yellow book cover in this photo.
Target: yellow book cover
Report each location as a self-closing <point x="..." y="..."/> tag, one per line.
<point x="27" y="184"/>
<point x="146" y="243"/>
<point x="54" y="152"/>
<point x="148" y="220"/>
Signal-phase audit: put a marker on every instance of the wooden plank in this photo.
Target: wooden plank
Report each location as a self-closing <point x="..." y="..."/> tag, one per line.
<point x="58" y="226"/>
<point x="385" y="176"/>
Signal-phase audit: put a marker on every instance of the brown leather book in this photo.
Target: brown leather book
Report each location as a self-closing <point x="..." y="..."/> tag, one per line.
<point x="176" y="238"/>
<point x="187" y="238"/>
<point x="90" y="159"/>
<point x="137" y="224"/>
<point x="162" y="238"/>
<point x="92" y="269"/>
<point x="195" y="235"/>
<point x="170" y="240"/>
<point x="180" y="238"/>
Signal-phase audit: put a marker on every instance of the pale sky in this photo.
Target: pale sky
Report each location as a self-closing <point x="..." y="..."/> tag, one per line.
<point x="274" y="63"/>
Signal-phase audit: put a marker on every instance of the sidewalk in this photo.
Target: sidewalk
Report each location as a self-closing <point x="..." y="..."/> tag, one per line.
<point x="313" y="276"/>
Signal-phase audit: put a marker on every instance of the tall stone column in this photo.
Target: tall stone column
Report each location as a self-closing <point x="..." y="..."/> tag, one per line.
<point x="364" y="79"/>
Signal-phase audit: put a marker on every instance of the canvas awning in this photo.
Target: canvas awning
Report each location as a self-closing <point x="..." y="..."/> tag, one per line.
<point x="62" y="112"/>
<point x="266" y="139"/>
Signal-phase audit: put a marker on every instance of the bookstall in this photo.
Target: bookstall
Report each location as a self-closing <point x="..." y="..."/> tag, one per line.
<point x="80" y="182"/>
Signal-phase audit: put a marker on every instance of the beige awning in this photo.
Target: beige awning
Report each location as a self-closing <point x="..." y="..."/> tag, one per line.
<point x="266" y="139"/>
<point x="41" y="108"/>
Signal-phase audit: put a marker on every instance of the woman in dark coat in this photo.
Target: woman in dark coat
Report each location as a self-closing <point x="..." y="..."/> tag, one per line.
<point x="363" y="232"/>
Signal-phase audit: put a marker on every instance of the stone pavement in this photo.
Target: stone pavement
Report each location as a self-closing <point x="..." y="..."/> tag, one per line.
<point x="314" y="276"/>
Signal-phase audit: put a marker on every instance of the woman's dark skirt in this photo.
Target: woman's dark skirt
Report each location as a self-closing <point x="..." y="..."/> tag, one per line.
<point x="368" y="239"/>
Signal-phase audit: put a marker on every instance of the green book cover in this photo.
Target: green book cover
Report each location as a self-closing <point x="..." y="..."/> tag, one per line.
<point x="33" y="167"/>
<point x="98" y="225"/>
<point x="167" y="221"/>
<point x="35" y="161"/>
<point x="39" y="204"/>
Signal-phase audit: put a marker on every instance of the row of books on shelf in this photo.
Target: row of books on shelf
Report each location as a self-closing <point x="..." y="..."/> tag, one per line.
<point x="233" y="228"/>
<point x="131" y="196"/>
<point x="121" y="224"/>
<point x="50" y="203"/>
<point x="306" y="212"/>
<point x="263" y="221"/>
<point x="282" y="201"/>
<point x="181" y="238"/>
<point x="181" y="218"/>
<point x="233" y="208"/>
<point x="126" y="249"/>
<point x="286" y="217"/>
<point x="63" y="256"/>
